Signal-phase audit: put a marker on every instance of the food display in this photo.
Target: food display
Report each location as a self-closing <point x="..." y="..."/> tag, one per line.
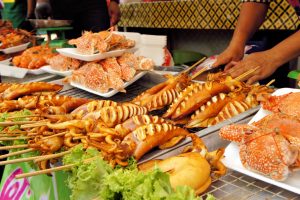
<point x="110" y="73"/>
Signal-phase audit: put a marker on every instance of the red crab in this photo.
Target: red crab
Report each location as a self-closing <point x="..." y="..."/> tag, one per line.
<point x="270" y="146"/>
<point x="287" y="104"/>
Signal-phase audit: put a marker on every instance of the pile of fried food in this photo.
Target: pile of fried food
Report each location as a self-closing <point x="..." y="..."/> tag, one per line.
<point x="90" y="43"/>
<point x="110" y="73"/>
<point x="271" y="145"/>
<point x="10" y="37"/>
<point x="34" y="57"/>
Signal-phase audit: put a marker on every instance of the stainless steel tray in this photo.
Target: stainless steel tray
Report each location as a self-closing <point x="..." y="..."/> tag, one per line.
<point x="45" y="23"/>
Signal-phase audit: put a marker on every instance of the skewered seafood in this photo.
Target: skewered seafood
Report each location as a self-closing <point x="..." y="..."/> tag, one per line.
<point x="146" y="137"/>
<point x="18" y="90"/>
<point x="111" y="116"/>
<point x="34" y="57"/>
<point x="91" y="107"/>
<point x="270" y="146"/>
<point x="136" y="121"/>
<point x="195" y="169"/>
<point x="162" y="94"/>
<point x="63" y="63"/>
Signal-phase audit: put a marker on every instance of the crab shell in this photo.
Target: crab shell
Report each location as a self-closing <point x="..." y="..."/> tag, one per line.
<point x="185" y="169"/>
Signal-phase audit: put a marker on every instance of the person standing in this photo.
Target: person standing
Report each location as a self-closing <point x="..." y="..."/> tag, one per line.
<point x="88" y="15"/>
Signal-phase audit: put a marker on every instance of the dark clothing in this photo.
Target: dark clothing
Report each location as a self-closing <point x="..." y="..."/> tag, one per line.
<point x="87" y="15"/>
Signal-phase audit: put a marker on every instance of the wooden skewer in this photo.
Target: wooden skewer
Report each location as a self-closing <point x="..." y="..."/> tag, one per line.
<point x="55" y="135"/>
<point x="15" y="123"/>
<point x="45" y="171"/>
<point x="15" y="138"/>
<point x="14" y="147"/>
<point x="48" y="157"/>
<point x="200" y="72"/>
<point x="240" y="77"/>
<point x="34" y="125"/>
<point x="194" y="65"/>
<point x="271" y="82"/>
<point x="14" y="117"/>
<point x="16" y="153"/>
<point x="54" y="169"/>
<point x="7" y="162"/>
<point x="13" y="132"/>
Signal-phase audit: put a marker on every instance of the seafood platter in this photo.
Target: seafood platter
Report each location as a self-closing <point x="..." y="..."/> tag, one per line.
<point x="54" y="127"/>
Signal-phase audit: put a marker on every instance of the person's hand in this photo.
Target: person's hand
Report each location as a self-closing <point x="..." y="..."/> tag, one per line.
<point x="229" y="57"/>
<point x="261" y="60"/>
<point x="114" y="13"/>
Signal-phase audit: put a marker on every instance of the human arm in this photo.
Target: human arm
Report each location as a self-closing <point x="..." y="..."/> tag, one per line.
<point x="114" y="12"/>
<point x="268" y="61"/>
<point x="252" y="15"/>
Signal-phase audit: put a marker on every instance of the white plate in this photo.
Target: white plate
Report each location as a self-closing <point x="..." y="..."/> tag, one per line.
<point x="15" y="49"/>
<point x="18" y="72"/>
<point x="232" y="157"/>
<point x="48" y="69"/>
<point x="111" y="92"/>
<point x="6" y="70"/>
<point x="73" y="53"/>
<point x="6" y="61"/>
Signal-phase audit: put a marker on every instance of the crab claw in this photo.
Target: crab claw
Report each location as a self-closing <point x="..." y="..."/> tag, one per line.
<point x="198" y="145"/>
<point x="236" y="132"/>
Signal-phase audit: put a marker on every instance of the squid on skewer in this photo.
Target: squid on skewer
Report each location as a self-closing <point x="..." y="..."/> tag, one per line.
<point x="200" y="95"/>
<point x="19" y="90"/>
<point x="146" y="137"/>
<point x="162" y="94"/>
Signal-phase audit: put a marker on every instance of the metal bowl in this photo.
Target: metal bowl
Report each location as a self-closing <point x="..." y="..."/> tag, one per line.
<point x="45" y="23"/>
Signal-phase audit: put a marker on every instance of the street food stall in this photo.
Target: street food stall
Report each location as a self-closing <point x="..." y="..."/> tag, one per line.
<point x="99" y="117"/>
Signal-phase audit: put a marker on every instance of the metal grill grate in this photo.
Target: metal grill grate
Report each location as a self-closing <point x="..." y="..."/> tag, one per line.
<point x="239" y="186"/>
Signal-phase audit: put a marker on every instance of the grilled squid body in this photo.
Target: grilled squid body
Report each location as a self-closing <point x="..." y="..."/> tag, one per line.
<point x="136" y="121"/>
<point x="162" y="94"/>
<point x="146" y="137"/>
<point x="19" y="90"/>
<point x="230" y="110"/>
<point x="93" y="106"/>
<point x="198" y="97"/>
<point x="112" y="116"/>
<point x="181" y="97"/>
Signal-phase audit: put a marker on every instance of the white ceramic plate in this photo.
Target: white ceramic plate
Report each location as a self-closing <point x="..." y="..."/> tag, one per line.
<point x="111" y="92"/>
<point x="15" y="49"/>
<point x="6" y="61"/>
<point x="18" y="72"/>
<point x="232" y="157"/>
<point x="48" y="69"/>
<point x="73" y="53"/>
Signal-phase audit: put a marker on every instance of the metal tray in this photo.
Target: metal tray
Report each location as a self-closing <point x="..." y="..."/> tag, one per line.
<point x="45" y="23"/>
